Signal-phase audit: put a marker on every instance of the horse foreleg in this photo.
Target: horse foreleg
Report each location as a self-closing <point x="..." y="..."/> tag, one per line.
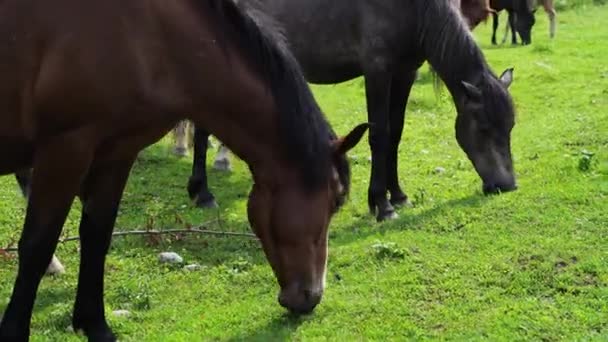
<point x="59" y="167"/>
<point x="198" y="188"/>
<point x="400" y="92"/>
<point x="377" y="90"/>
<point x="512" y="20"/>
<point x="494" y="27"/>
<point x="180" y="133"/>
<point x="101" y="195"/>
<point x="222" y="159"/>
<point x="24" y="179"/>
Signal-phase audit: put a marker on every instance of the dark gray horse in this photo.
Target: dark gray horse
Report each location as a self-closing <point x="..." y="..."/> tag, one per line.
<point x="386" y="42"/>
<point x="521" y="16"/>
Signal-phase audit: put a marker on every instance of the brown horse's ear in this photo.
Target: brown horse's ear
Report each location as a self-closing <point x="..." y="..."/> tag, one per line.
<point x="344" y="144"/>
<point x="507" y="77"/>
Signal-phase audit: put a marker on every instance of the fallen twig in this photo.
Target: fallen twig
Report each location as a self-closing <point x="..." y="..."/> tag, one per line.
<point x="196" y="230"/>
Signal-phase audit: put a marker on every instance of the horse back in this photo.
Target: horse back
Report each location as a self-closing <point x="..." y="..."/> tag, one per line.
<point x="73" y="62"/>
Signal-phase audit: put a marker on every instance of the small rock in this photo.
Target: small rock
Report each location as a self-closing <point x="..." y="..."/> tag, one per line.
<point x="170" y="257"/>
<point x="192" y="267"/>
<point x="439" y="170"/>
<point x="121" y="313"/>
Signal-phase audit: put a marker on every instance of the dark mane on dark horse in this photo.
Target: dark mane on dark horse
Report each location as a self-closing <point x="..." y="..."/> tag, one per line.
<point x="304" y="130"/>
<point x="447" y="45"/>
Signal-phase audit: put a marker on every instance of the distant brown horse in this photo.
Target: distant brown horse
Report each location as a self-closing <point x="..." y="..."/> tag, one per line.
<point x="475" y="11"/>
<point x="86" y="84"/>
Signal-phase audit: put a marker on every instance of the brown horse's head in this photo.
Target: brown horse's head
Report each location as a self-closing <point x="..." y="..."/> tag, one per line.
<point x="483" y="129"/>
<point x="291" y="220"/>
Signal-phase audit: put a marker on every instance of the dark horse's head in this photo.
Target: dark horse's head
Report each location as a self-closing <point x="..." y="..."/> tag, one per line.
<point x="483" y="130"/>
<point x="300" y="170"/>
<point x="524" y="21"/>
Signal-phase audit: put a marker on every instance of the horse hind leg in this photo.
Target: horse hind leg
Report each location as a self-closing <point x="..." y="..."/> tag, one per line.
<point x="24" y="179"/>
<point x="180" y="133"/>
<point x="55" y="182"/>
<point x="222" y="159"/>
<point x="101" y="195"/>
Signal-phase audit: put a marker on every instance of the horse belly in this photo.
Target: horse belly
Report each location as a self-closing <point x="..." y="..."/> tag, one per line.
<point x="15" y="154"/>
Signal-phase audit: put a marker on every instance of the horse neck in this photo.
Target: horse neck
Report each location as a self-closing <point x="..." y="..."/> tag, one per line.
<point x="450" y="48"/>
<point x="234" y="97"/>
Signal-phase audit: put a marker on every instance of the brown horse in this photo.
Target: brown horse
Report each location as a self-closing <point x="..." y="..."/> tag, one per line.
<point x="474" y="11"/>
<point x="87" y="84"/>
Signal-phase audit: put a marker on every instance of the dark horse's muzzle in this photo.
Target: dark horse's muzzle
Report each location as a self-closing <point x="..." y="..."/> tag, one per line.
<point x="499" y="187"/>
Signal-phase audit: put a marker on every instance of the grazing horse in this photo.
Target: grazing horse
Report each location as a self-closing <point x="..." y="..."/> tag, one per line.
<point x="386" y="42"/>
<point x="87" y="84"/>
<point x="549" y="9"/>
<point x="521" y="19"/>
<point x="474" y="12"/>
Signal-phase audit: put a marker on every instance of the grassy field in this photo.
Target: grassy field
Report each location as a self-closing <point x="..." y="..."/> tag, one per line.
<point x="528" y="265"/>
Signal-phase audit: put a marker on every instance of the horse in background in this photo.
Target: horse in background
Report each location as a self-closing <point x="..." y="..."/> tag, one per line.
<point x="79" y="127"/>
<point x="388" y="57"/>
<point x="183" y="135"/>
<point x="474" y="11"/>
<point x="520" y="18"/>
<point x="549" y="10"/>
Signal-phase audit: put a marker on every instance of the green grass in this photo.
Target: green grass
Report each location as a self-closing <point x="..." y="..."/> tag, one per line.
<point x="528" y="265"/>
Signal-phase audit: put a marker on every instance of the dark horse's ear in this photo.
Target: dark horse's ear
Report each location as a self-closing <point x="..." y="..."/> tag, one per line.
<point x="344" y="144"/>
<point x="507" y="77"/>
<point x="471" y="91"/>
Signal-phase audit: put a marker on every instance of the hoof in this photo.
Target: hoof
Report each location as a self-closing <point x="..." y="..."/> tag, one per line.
<point x="99" y="336"/>
<point x="180" y="151"/>
<point x="207" y="204"/>
<point x="222" y="165"/>
<point x="100" y="333"/>
<point x="55" y="267"/>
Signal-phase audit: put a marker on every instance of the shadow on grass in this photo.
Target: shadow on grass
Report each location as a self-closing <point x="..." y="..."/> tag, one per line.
<point x="49" y="296"/>
<point x="158" y="169"/>
<point x="409" y="221"/>
<point x="281" y="328"/>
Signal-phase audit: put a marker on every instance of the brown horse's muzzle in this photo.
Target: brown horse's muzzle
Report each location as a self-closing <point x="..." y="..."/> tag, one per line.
<point x="299" y="300"/>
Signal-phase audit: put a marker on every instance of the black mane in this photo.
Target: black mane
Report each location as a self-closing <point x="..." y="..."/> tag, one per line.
<point x="453" y="53"/>
<point x="304" y="129"/>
